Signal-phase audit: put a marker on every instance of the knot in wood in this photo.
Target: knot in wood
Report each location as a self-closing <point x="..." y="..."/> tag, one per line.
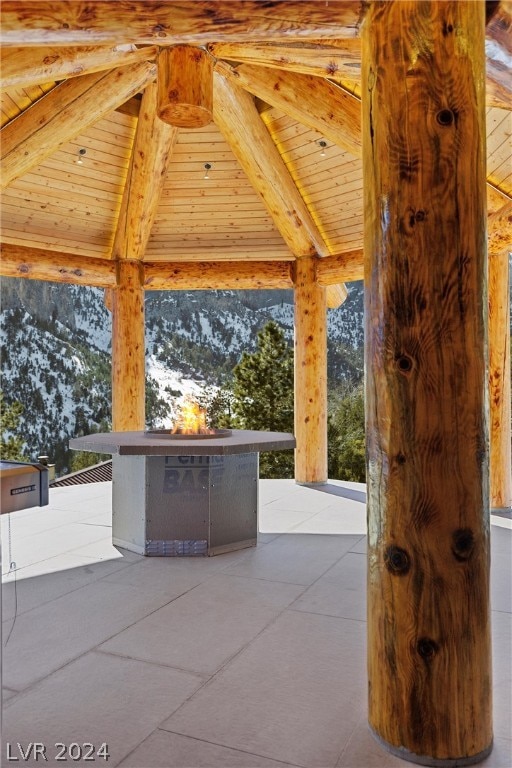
<point x="397" y="560"/>
<point x="404" y="363"/>
<point x="445" y="117"/>
<point x="463" y="544"/>
<point x="427" y="648"/>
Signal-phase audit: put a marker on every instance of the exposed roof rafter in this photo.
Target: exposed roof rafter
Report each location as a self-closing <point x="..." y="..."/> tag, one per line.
<point x="23" y="67"/>
<point x="64" y="113"/>
<point x="99" y="22"/>
<point x="151" y="154"/>
<point x="314" y="102"/>
<point x="238" y="119"/>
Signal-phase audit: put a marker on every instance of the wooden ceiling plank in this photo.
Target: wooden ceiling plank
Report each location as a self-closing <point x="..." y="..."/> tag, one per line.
<point x="152" y="150"/>
<point x="214" y="227"/>
<point x="34" y="92"/>
<point x="67" y="22"/>
<point x="317" y="103"/>
<point x="254" y="237"/>
<point x="40" y="264"/>
<point x="24" y="67"/>
<point x="167" y="216"/>
<point x="88" y="187"/>
<point x="203" y="238"/>
<point x="42" y="230"/>
<point x="223" y="206"/>
<point x="322" y="58"/>
<point x="239" y="121"/>
<point x="64" y="113"/>
<point x="82" y="249"/>
<point x="59" y="205"/>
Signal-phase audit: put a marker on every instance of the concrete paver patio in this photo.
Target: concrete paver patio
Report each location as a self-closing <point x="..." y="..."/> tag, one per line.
<point x="248" y="659"/>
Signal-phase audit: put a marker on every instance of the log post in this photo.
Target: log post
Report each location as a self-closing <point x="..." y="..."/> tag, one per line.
<point x="128" y="360"/>
<point x="429" y="661"/>
<point x="310" y="375"/>
<point x="499" y="363"/>
<point x="185" y="86"/>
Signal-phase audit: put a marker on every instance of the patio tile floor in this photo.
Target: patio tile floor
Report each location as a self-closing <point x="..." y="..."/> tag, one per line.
<point x="250" y="659"/>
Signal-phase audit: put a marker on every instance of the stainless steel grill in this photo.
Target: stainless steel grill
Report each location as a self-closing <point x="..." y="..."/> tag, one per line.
<point x="22" y="485"/>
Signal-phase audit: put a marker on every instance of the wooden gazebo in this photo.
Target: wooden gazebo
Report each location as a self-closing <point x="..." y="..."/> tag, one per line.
<point x="151" y="145"/>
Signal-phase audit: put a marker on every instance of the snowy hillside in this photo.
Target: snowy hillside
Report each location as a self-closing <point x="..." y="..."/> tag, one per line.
<point x="56" y="351"/>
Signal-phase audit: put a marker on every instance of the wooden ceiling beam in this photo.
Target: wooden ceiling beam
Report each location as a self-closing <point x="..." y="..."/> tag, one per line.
<point x="205" y="275"/>
<point x="151" y="153"/>
<point x="65" y="112"/>
<point x="317" y="103"/>
<point x="340" y="268"/>
<point x="499" y="230"/>
<point x="340" y="60"/>
<point x="24" y="67"/>
<point x="335" y="295"/>
<point x="335" y="59"/>
<point x="99" y="22"/>
<point x="239" y="121"/>
<point x="185" y="86"/>
<point x="42" y="264"/>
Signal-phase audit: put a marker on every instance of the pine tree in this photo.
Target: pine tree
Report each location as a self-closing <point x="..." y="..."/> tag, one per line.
<point x="346" y="436"/>
<point x="263" y="395"/>
<point x="11" y="445"/>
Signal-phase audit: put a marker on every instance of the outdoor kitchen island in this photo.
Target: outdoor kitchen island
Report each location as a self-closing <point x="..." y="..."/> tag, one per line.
<point x="176" y="495"/>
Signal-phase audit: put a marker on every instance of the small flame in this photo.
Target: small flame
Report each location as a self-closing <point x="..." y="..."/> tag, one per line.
<point x="191" y="420"/>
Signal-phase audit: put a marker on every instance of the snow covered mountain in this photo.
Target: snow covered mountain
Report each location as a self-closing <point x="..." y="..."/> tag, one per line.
<point x="56" y="351"/>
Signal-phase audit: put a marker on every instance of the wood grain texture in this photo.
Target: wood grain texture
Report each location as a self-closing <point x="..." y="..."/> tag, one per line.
<point x="340" y="268"/>
<point x="335" y="295"/>
<point x="188" y="276"/>
<point x="185" y="86"/>
<point x="128" y="349"/>
<point x="24" y="67"/>
<point x="39" y="264"/>
<point x="62" y="22"/>
<point x="64" y="113"/>
<point x="108" y="298"/>
<point x="151" y="154"/>
<point x="315" y="102"/>
<point x="310" y="375"/>
<point x="238" y="119"/>
<point x="499" y="229"/>
<point x="339" y="60"/>
<point x="429" y="660"/>
<point x="500" y="245"/>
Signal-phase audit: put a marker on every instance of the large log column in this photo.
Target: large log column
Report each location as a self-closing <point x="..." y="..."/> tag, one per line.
<point x="429" y="660"/>
<point x="310" y="375"/>
<point x="128" y="362"/>
<point x="499" y="359"/>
